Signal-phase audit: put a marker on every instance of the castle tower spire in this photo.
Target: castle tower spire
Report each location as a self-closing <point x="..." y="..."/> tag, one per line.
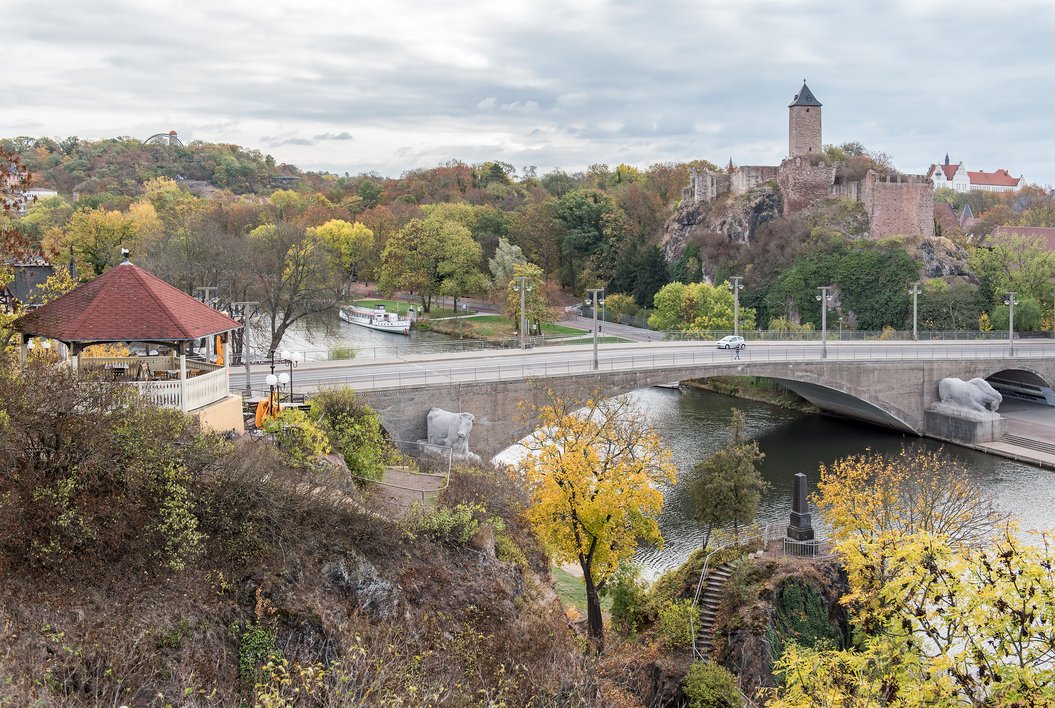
<point x="804" y="123"/>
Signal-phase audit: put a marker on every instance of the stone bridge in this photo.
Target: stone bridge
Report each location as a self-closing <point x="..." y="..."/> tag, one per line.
<point x="888" y="393"/>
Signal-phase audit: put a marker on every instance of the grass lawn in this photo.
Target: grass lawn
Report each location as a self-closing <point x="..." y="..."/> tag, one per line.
<point x="556" y="329"/>
<point x="600" y="340"/>
<point x="572" y="591"/>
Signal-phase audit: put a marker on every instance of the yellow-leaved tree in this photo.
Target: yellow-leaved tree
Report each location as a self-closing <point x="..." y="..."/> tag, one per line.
<point x="593" y="473"/>
<point x="946" y="609"/>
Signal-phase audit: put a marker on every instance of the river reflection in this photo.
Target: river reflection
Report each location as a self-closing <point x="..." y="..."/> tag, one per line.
<point x="695" y="424"/>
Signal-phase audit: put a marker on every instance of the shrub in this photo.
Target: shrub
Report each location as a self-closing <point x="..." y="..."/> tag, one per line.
<point x="93" y="473"/>
<point x="708" y="685"/>
<point x="297" y="436"/>
<point x="353" y="429"/>
<point x="450" y="525"/>
<point x="507" y="551"/>
<point x="888" y="333"/>
<point x="336" y="353"/>
<point x="629" y="595"/>
<point x="256" y="646"/>
<point x="677" y="621"/>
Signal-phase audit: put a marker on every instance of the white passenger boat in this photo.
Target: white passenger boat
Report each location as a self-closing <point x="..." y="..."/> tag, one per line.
<point x="376" y="318"/>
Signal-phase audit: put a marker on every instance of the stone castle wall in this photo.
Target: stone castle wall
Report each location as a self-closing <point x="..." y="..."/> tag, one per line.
<point x="803" y="183"/>
<point x="898" y="204"/>
<point x="744" y="179"/>
<point x="804" y="130"/>
<point x="705" y="186"/>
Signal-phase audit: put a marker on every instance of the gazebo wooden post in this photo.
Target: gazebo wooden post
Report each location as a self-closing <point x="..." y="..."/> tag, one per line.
<point x="23" y="350"/>
<point x="183" y="376"/>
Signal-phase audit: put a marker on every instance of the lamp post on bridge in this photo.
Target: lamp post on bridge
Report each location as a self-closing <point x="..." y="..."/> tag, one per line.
<point x="522" y="286"/>
<point x="593" y="292"/>
<point x="824" y="297"/>
<point x="1011" y="300"/>
<point x="915" y="291"/>
<point x="736" y="287"/>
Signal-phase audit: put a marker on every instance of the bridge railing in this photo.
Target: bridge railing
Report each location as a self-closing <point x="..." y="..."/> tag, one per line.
<point x="579" y="362"/>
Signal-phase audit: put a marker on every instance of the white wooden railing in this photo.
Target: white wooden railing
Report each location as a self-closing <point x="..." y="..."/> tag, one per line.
<point x="204" y="389"/>
<point x="187" y="395"/>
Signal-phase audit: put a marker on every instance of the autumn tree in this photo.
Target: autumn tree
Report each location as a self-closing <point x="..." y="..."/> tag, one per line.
<point x="728" y="487"/>
<point x="351" y="244"/>
<point x="96" y="237"/>
<point x="947" y="610"/>
<point x="292" y="274"/>
<point x="593" y="472"/>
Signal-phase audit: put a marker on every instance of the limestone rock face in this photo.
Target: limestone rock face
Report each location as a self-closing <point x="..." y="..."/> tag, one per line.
<point x="737" y="218"/>
<point x="942" y="258"/>
<point x="356" y="575"/>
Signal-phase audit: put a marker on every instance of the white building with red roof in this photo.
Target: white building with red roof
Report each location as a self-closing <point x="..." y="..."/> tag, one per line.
<point x="959" y="179"/>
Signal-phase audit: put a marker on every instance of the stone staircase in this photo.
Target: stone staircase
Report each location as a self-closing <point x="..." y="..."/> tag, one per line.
<point x="710" y="597"/>
<point x="1028" y="444"/>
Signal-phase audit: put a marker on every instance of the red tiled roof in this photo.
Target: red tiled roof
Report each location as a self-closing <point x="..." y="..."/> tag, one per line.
<point x="1044" y="233"/>
<point x="1000" y="178"/>
<point x="949" y="170"/>
<point x="124" y="304"/>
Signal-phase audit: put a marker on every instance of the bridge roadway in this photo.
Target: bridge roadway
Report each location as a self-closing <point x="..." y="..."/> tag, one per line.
<point x="888" y="383"/>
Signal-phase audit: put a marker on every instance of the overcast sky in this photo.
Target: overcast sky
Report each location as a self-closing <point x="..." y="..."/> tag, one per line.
<point x="391" y="85"/>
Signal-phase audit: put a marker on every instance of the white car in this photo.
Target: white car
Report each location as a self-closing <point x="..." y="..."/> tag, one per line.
<point x="731" y="342"/>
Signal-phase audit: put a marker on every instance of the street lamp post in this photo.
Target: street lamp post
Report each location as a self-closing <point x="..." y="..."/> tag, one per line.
<point x="1010" y="300"/>
<point x="246" y="317"/>
<point x="284" y="378"/>
<point x="272" y="384"/>
<point x="736" y="287"/>
<point x="825" y="295"/>
<point x="522" y="286"/>
<point x="593" y="292"/>
<point x="915" y="291"/>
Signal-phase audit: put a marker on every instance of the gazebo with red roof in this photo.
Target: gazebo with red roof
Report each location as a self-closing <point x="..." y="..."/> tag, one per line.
<point x="127" y="304"/>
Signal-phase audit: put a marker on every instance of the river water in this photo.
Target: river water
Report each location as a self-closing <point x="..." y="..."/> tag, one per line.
<point x="695" y="425"/>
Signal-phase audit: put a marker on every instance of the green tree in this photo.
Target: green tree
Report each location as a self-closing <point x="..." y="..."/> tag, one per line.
<point x="728" y="487"/>
<point x="432" y="257"/>
<point x="1029" y="315"/>
<point x="581" y="213"/>
<point x="697" y="307"/>
<point x="536" y="304"/>
<point x="1013" y="263"/>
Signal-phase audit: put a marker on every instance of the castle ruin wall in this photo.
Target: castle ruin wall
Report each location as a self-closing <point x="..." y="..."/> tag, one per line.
<point x="746" y="178"/>
<point x="803" y="183"/>
<point x="898" y="205"/>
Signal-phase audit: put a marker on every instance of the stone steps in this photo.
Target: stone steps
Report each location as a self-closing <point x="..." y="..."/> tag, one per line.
<point x="1029" y="443"/>
<point x="710" y="598"/>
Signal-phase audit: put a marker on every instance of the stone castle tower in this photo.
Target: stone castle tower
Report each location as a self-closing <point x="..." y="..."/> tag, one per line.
<point x="804" y="124"/>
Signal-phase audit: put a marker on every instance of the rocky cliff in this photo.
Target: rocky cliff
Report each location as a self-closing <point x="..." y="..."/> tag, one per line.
<point x="737" y="218"/>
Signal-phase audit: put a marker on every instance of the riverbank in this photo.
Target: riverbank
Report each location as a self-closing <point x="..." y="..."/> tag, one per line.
<point x="754" y="388"/>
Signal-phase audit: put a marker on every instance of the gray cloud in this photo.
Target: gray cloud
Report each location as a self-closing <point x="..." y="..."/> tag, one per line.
<point x="551" y="83"/>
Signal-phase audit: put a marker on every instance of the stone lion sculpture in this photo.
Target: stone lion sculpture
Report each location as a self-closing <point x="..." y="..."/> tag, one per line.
<point x="976" y="394"/>
<point x="448" y="429"/>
